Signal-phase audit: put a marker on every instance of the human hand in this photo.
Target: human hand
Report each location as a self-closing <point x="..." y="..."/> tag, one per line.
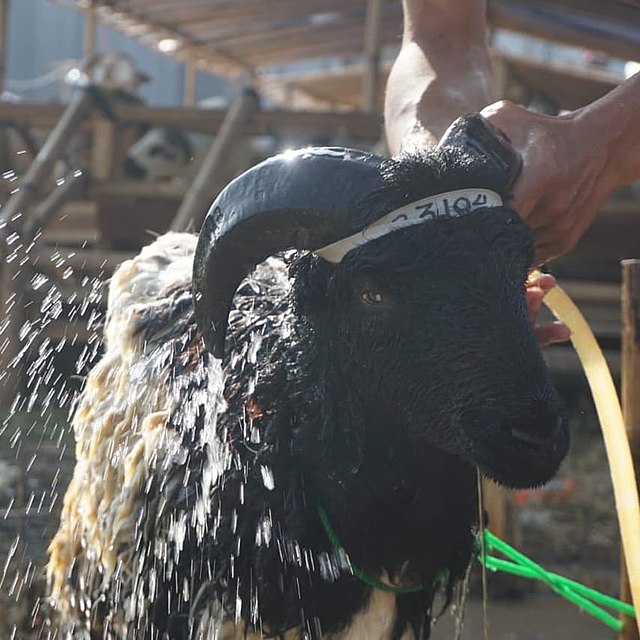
<point x="537" y="288"/>
<point x="563" y="182"/>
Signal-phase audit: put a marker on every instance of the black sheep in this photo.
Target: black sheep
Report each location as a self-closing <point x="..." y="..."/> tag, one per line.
<point x="365" y="390"/>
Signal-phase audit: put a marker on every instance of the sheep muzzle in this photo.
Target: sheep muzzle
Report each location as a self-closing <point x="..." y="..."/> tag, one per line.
<point x="521" y="448"/>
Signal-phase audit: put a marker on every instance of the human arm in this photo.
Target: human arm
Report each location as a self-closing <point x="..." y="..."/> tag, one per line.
<point x="571" y="163"/>
<point x="441" y="72"/>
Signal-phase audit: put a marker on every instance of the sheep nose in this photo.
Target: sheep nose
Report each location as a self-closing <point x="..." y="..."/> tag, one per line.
<point x="536" y="435"/>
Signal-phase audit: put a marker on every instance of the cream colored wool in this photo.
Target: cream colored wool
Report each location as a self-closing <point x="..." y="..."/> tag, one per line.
<point x="120" y="429"/>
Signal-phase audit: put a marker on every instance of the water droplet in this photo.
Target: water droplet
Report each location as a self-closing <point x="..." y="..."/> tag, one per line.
<point x="267" y="478"/>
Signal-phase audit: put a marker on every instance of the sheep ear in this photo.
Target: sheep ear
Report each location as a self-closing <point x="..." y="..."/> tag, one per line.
<point x="304" y="200"/>
<point x="486" y="148"/>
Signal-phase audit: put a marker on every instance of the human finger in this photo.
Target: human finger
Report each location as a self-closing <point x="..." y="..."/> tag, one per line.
<point x="534" y="296"/>
<point x="537" y="287"/>
<point x="552" y="332"/>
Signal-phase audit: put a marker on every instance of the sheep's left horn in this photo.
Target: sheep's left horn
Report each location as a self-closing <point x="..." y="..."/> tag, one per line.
<point x="305" y="200"/>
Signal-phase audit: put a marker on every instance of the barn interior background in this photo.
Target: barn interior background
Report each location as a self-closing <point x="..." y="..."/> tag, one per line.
<point x="89" y="175"/>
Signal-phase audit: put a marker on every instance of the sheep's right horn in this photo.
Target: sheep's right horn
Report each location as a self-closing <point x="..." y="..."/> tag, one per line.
<point x="305" y="199"/>
<point x="485" y="146"/>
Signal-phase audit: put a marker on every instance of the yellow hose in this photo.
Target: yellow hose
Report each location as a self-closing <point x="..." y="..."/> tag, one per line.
<point x="615" y="437"/>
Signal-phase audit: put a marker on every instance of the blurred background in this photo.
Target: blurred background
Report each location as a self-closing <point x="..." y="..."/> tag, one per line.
<point x="121" y="119"/>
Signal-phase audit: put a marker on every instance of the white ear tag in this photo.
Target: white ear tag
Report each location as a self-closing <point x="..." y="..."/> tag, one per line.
<point x="452" y="204"/>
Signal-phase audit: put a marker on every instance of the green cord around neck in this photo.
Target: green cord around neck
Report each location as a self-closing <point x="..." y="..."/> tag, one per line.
<point x="518" y="564"/>
<point x="358" y="573"/>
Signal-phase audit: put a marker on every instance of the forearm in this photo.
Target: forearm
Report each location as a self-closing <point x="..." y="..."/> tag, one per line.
<point x="442" y="71"/>
<point x="611" y="124"/>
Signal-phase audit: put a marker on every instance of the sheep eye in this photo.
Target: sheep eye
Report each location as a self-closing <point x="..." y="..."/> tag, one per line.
<point x="374" y="298"/>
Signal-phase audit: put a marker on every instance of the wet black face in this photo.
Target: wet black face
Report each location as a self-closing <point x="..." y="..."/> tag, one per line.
<point x="428" y="328"/>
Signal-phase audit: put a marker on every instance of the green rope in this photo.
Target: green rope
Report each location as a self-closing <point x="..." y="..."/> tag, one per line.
<point x="585" y="598"/>
<point x="517" y="564"/>
<point x="358" y="573"/>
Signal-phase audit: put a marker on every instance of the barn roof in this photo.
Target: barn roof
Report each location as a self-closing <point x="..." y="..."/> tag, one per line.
<point x="259" y="38"/>
<point x="247" y="35"/>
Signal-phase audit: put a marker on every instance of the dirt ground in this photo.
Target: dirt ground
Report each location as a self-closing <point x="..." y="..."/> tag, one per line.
<point x="569" y="527"/>
<point x="539" y="617"/>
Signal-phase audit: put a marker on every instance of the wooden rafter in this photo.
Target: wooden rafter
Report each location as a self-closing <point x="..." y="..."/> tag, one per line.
<point x="251" y="37"/>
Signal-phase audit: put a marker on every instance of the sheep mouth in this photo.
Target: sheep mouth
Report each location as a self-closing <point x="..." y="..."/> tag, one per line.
<point x="517" y="458"/>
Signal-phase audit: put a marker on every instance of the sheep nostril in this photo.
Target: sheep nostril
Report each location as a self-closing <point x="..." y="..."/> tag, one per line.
<point x="529" y="437"/>
<point x="539" y="437"/>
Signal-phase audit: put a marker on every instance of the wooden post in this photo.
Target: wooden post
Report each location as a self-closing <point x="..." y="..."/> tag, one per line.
<point x="496" y="497"/>
<point x="495" y="504"/>
<point x="191" y="79"/>
<point x="33" y="180"/>
<point x="630" y="397"/>
<point x="199" y="196"/>
<point x="5" y="155"/>
<point x="12" y="316"/>
<point x="103" y="148"/>
<point x="372" y="44"/>
<point x="4" y="37"/>
<point x="499" y="77"/>
<point x="89" y="45"/>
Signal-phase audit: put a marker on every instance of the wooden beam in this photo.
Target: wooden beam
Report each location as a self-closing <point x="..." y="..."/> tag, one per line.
<point x="103" y="148"/>
<point x="190" y="78"/>
<point x="332" y="40"/>
<point x="630" y="398"/>
<point x="357" y="123"/>
<point x="222" y="61"/>
<point x="199" y="197"/>
<point x="372" y="34"/>
<point x="210" y="120"/>
<point x="237" y="16"/>
<point x="135" y="189"/>
<point x="30" y="115"/>
<point x="89" y="42"/>
<point x="345" y="42"/>
<point x="261" y="39"/>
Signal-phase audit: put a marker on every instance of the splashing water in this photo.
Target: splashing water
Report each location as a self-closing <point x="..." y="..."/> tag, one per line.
<point x="49" y="338"/>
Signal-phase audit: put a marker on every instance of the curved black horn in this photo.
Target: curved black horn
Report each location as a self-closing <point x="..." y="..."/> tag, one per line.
<point x="309" y="199"/>
<point x="305" y="200"/>
<point x="484" y="145"/>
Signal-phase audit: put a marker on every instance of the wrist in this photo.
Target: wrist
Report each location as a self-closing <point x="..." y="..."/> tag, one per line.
<point x="464" y="20"/>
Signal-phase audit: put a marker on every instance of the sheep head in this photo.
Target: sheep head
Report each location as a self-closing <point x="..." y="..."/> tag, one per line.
<point x="418" y="302"/>
<point x="427" y="330"/>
